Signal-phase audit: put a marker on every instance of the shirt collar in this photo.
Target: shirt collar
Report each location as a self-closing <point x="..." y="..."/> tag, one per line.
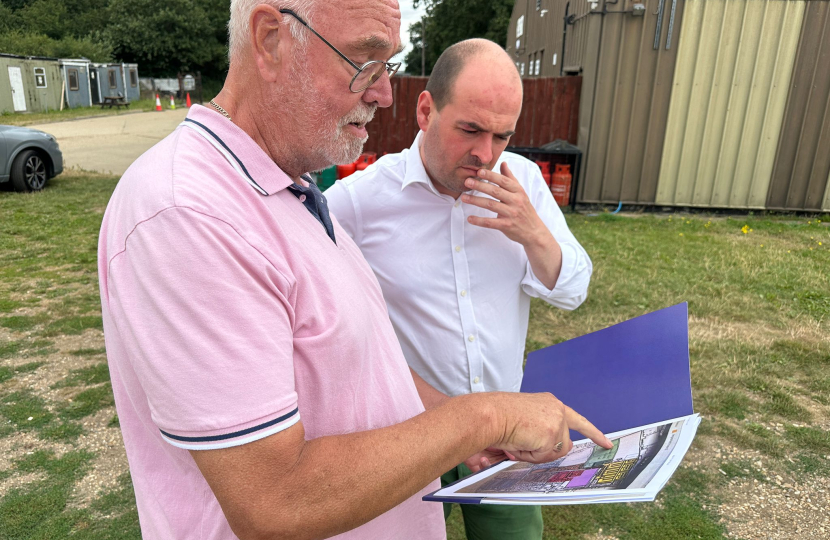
<point x="261" y="168"/>
<point x="415" y="171"/>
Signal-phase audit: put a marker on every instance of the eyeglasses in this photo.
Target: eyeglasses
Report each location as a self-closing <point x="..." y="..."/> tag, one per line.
<point x="367" y="74"/>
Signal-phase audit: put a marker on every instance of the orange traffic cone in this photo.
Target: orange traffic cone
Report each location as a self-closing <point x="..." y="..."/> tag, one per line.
<point x="158" y="103"/>
<point x="172" y="103"/>
<point x="188" y="100"/>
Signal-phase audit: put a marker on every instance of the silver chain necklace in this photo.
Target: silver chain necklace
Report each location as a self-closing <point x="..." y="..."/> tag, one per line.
<point x="220" y="109"/>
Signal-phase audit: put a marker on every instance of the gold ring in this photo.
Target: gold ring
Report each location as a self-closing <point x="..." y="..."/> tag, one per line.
<point x="558" y="446"/>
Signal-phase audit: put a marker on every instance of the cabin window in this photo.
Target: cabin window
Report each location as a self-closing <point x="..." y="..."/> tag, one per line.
<point x="113" y="83"/>
<point x="40" y="77"/>
<point x="133" y="78"/>
<point x="72" y="75"/>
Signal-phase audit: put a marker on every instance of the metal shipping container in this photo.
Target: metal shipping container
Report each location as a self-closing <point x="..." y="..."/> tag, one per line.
<point x="801" y="173"/>
<point x="629" y="65"/>
<point x="727" y="107"/>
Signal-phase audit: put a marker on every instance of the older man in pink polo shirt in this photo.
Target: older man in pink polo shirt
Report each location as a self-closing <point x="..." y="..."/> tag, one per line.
<point x="260" y="387"/>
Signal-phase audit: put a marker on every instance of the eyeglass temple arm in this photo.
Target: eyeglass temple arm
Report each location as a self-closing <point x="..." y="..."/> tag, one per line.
<point x="340" y="54"/>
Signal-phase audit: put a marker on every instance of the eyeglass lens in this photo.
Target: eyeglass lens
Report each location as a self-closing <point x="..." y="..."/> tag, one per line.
<point x="368" y="75"/>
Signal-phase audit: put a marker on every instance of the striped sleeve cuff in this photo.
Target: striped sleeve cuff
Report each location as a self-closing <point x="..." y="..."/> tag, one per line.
<point x="235" y="438"/>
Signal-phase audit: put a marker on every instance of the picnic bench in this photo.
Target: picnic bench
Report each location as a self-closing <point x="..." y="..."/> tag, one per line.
<point x="114" y="101"/>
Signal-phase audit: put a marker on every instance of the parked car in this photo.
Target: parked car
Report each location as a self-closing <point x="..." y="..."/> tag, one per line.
<point x="28" y="158"/>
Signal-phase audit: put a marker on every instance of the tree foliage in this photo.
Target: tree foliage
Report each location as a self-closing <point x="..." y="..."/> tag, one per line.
<point x="164" y="37"/>
<point x="450" y="21"/>
<point x="168" y="36"/>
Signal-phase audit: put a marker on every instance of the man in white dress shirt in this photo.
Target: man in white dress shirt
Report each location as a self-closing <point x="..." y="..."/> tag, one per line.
<point x="461" y="235"/>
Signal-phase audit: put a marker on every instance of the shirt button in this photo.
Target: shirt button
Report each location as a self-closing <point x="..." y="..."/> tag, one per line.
<point x="463" y="293"/>
<point x="476" y="380"/>
<point x="471" y="338"/>
<point x="457" y="203"/>
<point x="302" y="198"/>
<point x="457" y="248"/>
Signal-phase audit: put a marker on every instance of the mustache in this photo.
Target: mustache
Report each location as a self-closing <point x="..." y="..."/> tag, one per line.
<point x="472" y="162"/>
<point x="359" y="116"/>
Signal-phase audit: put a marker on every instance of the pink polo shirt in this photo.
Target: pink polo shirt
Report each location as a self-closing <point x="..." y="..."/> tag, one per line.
<point x="229" y="314"/>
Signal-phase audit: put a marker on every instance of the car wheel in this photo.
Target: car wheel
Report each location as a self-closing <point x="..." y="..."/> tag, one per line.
<point x="29" y="172"/>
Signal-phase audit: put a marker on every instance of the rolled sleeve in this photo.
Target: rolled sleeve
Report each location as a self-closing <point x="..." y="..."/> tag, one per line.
<point x="571" y="287"/>
<point x="208" y="328"/>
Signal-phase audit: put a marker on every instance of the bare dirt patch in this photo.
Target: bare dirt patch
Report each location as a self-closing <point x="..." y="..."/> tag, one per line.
<point x="18" y="481"/>
<point x="110" y="458"/>
<point x="59" y="365"/>
<point x="710" y="329"/>
<point x="770" y="503"/>
<point x="785" y="510"/>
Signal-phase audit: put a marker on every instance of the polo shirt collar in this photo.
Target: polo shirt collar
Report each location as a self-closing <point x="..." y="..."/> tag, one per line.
<point x="258" y="164"/>
<point x="415" y="171"/>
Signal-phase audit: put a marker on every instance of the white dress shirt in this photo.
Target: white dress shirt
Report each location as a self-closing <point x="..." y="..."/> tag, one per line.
<point x="458" y="295"/>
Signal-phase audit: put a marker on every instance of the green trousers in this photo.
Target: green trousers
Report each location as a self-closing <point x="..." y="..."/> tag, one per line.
<point x="495" y="522"/>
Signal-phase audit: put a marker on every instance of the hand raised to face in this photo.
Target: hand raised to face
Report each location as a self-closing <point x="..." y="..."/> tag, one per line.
<point x="515" y="215"/>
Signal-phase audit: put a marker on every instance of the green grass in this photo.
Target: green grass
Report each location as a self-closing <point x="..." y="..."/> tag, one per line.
<point x="742" y="469"/>
<point x="99" y="373"/>
<point x="731" y="404"/>
<point x="27" y="119"/>
<point x="88" y="402"/>
<point x="7" y="372"/>
<point x="89" y="352"/>
<point x="25" y="410"/>
<point x="760" y="356"/>
<point x="73" y="325"/>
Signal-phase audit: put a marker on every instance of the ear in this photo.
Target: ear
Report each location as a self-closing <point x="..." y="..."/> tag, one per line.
<point x="426" y="110"/>
<point x="268" y="41"/>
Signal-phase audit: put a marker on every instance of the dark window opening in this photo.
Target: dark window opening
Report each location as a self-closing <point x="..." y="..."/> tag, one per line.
<point x="133" y="78"/>
<point x="113" y="84"/>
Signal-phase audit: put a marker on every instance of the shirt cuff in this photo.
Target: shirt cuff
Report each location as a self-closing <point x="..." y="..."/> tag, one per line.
<point x="236" y="436"/>
<point x="570" y="290"/>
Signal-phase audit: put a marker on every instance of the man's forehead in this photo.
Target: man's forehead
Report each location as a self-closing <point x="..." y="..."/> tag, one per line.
<point x="366" y="26"/>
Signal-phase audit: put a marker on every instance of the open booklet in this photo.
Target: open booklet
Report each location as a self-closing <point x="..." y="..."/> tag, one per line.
<point x="637" y="467"/>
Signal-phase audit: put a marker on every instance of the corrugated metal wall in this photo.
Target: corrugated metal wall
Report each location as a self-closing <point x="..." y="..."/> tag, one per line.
<point x="727" y="106"/>
<point x="628" y="83"/>
<point x="801" y="175"/>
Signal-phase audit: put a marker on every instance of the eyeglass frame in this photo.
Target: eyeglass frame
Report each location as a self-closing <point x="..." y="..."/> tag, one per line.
<point x="391" y="67"/>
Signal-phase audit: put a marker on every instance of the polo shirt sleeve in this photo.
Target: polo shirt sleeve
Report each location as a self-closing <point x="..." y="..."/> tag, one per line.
<point x="207" y="324"/>
<point x="571" y="288"/>
<point x="342" y="205"/>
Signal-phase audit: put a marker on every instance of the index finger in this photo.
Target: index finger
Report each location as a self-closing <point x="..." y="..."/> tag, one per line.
<point x="506" y="180"/>
<point x="581" y="424"/>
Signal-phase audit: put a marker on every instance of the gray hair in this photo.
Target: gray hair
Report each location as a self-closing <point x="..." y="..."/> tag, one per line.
<point x="239" y="28"/>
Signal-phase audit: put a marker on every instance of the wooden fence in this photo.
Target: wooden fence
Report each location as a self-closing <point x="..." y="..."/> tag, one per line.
<point x="550" y="111"/>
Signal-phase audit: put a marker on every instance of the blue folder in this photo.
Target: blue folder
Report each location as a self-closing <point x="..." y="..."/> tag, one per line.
<point x="631" y="374"/>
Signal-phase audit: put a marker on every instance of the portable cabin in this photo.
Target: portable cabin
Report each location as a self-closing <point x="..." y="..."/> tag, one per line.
<point x="75" y="73"/>
<point x="109" y="82"/>
<point x="29" y="83"/>
<point x="129" y="73"/>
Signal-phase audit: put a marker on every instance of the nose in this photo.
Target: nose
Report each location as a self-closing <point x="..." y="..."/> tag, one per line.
<point x="483" y="149"/>
<point x="380" y="92"/>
